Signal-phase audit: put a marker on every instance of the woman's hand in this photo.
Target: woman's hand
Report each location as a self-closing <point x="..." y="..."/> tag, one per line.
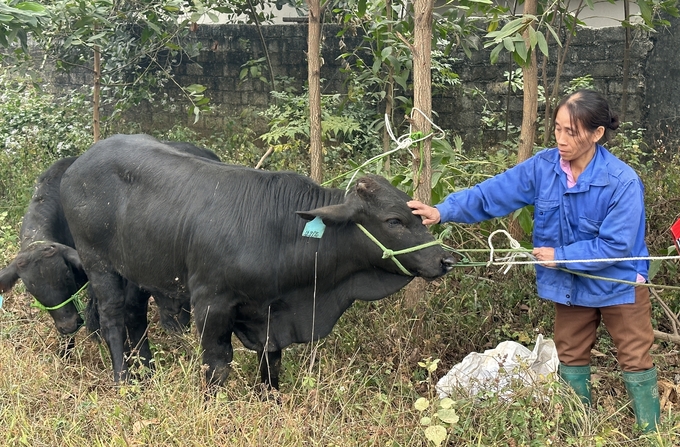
<point x="429" y="214"/>
<point x="545" y="254"/>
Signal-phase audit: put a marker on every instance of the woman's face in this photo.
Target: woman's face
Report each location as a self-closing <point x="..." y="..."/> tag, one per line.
<point x="574" y="142"/>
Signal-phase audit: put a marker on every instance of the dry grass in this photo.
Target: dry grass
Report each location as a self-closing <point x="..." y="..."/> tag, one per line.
<point x="50" y="401"/>
<point x="359" y="390"/>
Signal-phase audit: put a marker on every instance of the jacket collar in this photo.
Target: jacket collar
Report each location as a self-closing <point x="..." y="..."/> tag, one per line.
<point x="595" y="174"/>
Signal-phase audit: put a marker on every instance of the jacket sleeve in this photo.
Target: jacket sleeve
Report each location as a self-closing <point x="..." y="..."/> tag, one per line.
<point x="494" y="197"/>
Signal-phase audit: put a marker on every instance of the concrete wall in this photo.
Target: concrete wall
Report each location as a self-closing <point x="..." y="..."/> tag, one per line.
<point x="652" y="89"/>
<point x="595" y="52"/>
<point x="662" y="89"/>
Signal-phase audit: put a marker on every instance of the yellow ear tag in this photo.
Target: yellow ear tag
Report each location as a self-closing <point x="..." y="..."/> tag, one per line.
<point x="314" y="228"/>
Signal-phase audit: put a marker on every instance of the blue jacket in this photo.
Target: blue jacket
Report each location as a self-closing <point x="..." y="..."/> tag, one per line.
<point x="601" y="217"/>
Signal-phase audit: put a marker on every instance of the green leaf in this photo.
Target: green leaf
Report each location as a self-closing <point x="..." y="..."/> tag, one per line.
<point x="509" y="44"/>
<point x="361" y="8"/>
<point x="376" y="65"/>
<point x="146" y="34"/>
<point x="521" y="51"/>
<point x="402" y="79"/>
<point x="446" y="403"/>
<point x="30" y="6"/>
<point x="386" y="52"/>
<point x="554" y="34"/>
<point x="645" y="11"/>
<point x="493" y="26"/>
<point x="533" y="39"/>
<point x="495" y="52"/>
<point x="422" y="404"/>
<point x="542" y="43"/>
<point x="195" y="88"/>
<point x="436" y="434"/>
<point x="510" y="29"/>
<point x="524" y="218"/>
<point x="448" y="415"/>
<point x="654" y="267"/>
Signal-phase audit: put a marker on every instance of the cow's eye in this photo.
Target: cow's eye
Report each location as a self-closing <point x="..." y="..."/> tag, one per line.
<point x="394" y="222"/>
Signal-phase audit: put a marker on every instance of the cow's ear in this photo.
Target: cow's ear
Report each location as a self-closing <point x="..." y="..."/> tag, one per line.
<point x="8" y="277"/>
<point x="332" y="214"/>
<point x="71" y="256"/>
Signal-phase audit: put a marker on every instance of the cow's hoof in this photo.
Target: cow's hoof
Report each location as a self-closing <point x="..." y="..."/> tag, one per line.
<point x="268" y="394"/>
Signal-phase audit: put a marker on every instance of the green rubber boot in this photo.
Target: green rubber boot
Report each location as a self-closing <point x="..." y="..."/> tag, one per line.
<point x="643" y="390"/>
<point x="578" y="378"/>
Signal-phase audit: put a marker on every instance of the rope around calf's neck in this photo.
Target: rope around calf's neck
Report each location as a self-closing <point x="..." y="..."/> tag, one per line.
<point x="76" y="298"/>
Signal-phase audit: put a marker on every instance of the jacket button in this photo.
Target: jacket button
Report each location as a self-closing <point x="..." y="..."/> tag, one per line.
<point x="568" y="303"/>
<point x="568" y="296"/>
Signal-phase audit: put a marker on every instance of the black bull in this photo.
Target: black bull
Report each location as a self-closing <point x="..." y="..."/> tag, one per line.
<point x="50" y="267"/>
<point x="231" y="240"/>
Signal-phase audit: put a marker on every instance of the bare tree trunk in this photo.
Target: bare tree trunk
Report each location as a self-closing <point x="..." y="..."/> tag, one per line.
<point x="389" y="94"/>
<point x="313" y="79"/>
<point x="389" y="107"/>
<point x="626" y="61"/>
<point x="530" y="109"/>
<point x="258" y="25"/>
<point x="561" y="57"/>
<point x="530" y="106"/>
<point x="422" y="101"/>
<point x="96" y="128"/>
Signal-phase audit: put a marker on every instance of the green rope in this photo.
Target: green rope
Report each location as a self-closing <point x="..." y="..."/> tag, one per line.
<point x="77" y="299"/>
<point x="391" y="254"/>
<point x="622" y="281"/>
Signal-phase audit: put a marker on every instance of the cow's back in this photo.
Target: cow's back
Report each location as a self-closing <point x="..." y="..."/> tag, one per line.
<point x="44" y="219"/>
<point x="156" y="215"/>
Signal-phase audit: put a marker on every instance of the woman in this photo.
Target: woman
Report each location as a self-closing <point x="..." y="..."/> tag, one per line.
<point x="587" y="205"/>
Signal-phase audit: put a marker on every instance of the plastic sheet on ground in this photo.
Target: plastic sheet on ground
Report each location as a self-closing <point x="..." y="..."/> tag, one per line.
<point x="499" y="368"/>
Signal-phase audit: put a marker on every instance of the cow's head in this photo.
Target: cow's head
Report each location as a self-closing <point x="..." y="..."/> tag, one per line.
<point x="381" y="209"/>
<point x="52" y="273"/>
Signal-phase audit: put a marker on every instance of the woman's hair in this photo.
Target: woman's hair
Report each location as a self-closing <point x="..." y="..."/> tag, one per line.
<point x="590" y="110"/>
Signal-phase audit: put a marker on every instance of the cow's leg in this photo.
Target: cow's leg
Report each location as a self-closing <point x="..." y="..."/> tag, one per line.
<point x="214" y="320"/>
<point x="184" y="317"/>
<point x="109" y="289"/>
<point x="174" y="312"/>
<point x="136" y="323"/>
<point x="270" y="367"/>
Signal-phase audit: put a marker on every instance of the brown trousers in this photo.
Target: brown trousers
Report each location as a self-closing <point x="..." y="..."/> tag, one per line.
<point x="630" y="326"/>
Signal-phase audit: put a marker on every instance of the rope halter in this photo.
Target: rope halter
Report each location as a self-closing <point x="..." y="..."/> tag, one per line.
<point x="392" y="254"/>
<point x="76" y="298"/>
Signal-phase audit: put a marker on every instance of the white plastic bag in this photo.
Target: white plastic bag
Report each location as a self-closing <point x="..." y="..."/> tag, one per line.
<point x="496" y="368"/>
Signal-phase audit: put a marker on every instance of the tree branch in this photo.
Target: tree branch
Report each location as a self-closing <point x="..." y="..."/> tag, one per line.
<point x="675" y="336"/>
